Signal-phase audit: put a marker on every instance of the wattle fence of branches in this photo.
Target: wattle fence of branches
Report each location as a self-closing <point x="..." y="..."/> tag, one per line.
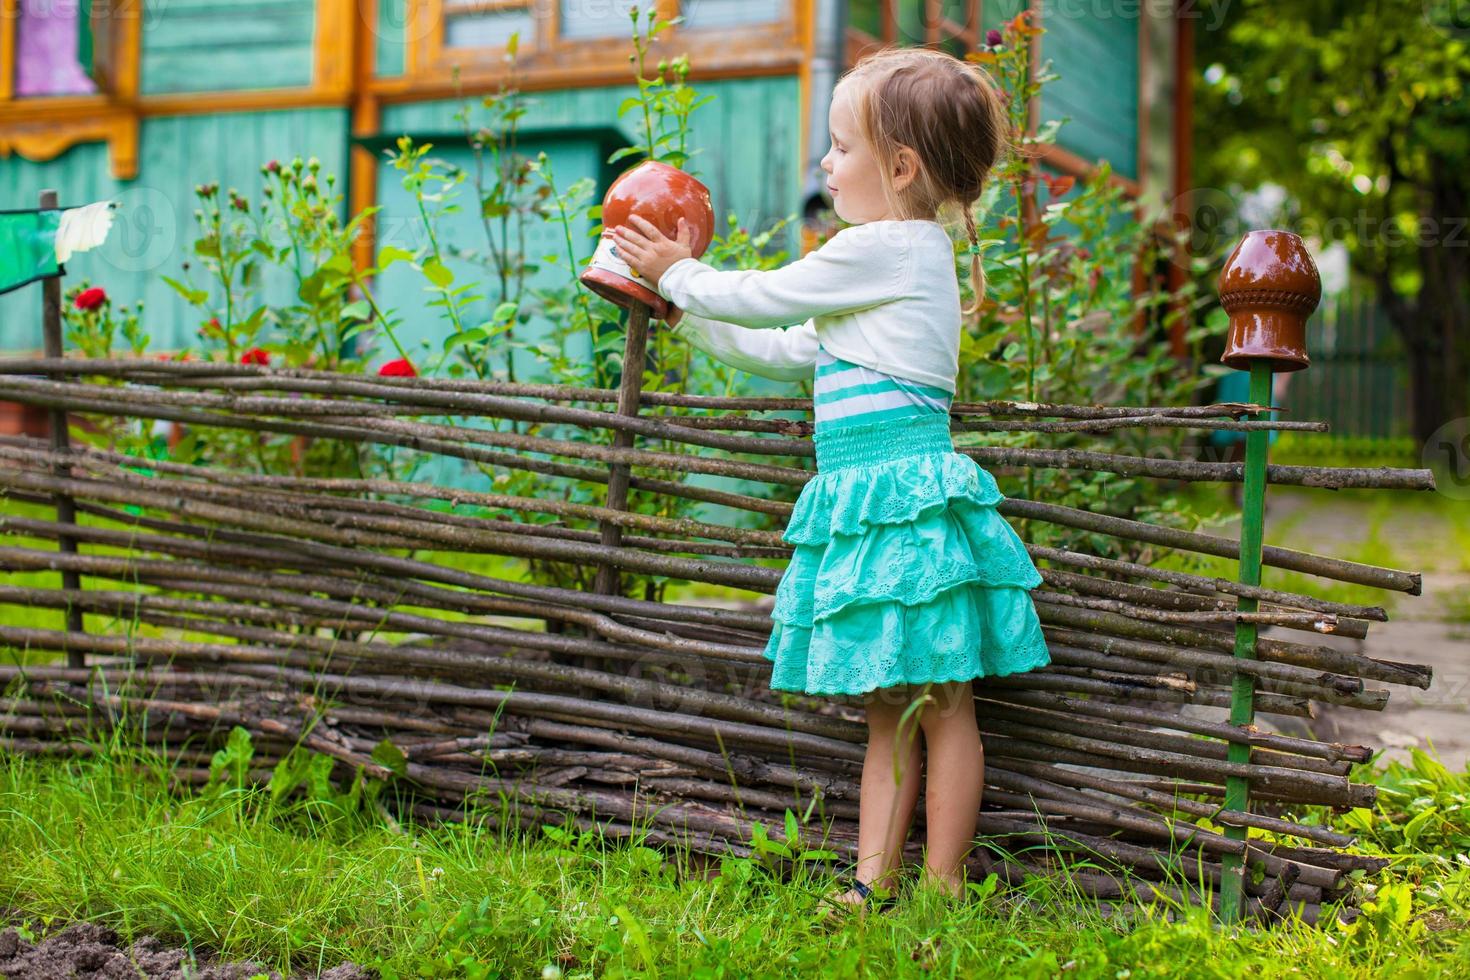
<point x="613" y="711"/>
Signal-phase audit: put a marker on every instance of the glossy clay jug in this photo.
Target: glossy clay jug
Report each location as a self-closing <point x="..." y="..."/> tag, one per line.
<point x="661" y="195"/>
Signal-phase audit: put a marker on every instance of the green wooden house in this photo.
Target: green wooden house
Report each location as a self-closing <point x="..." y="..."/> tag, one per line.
<point x="141" y="102"/>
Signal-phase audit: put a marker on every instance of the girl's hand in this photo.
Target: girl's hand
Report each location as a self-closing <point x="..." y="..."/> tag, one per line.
<point x="648" y="251"/>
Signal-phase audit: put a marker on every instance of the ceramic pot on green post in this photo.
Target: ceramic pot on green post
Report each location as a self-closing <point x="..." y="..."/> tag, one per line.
<point x="1269" y="287"/>
<point x="661" y="195"/>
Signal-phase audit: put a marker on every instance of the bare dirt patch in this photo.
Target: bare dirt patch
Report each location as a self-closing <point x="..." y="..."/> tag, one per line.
<point x="89" y="950"/>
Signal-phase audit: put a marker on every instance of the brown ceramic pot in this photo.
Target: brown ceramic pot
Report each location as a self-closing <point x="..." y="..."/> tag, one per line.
<point x="20" y="419"/>
<point x="1269" y="286"/>
<point x="661" y="195"/>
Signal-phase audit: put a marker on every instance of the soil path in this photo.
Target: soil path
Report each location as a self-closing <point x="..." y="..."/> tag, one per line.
<point x="86" y="949"/>
<point x="1416" y="532"/>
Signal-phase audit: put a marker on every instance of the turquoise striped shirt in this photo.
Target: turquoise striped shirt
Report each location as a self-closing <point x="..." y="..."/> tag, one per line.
<point x="846" y="394"/>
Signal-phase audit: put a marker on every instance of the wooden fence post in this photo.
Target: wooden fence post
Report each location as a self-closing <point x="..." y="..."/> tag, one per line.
<point x="66" y="510"/>
<point x="608" y="581"/>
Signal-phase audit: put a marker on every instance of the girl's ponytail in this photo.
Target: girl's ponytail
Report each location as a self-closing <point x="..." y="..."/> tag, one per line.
<point x="977" y="271"/>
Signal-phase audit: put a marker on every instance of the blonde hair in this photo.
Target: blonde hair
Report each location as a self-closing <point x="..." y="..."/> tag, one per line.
<point x="954" y="118"/>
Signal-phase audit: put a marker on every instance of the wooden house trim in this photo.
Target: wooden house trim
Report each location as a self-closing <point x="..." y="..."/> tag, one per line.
<point x="1183" y="156"/>
<point x="259" y="100"/>
<point x="1030" y="215"/>
<point x="1144" y="97"/>
<point x="806" y="32"/>
<point x="585" y="75"/>
<point x="337" y="23"/>
<point x="366" y="119"/>
<point x="9" y="17"/>
<point x="1066" y="162"/>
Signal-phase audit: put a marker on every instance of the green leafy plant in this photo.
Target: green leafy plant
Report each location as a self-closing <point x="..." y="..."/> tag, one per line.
<point x="1422" y="808"/>
<point x="503" y="197"/>
<point x="92" y="326"/>
<point x="300" y="784"/>
<point x="1063" y="321"/>
<point x="665" y="100"/>
<point x="434" y="185"/>
<point x="293" y="238"/>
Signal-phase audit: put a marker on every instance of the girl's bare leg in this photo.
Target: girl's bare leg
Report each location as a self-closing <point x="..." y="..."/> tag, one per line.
<point x="887" y="806"/>
<point x="955" y="777"/>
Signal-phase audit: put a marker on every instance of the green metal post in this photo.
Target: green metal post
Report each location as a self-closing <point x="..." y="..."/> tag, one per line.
<point x="1243" y="691"/>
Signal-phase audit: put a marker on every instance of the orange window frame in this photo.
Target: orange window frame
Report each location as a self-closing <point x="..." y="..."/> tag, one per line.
<point x="43" y="127"/>
<point x="117" y="47"/>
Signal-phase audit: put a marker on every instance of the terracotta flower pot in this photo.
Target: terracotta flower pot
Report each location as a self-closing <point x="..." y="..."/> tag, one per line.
<point x="20" y="419"/>
<point x="661" y="195"/>
<point x="1269" y="286"/>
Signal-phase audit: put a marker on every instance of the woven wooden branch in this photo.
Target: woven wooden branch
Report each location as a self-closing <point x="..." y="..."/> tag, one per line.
<point x="278" y="603"/>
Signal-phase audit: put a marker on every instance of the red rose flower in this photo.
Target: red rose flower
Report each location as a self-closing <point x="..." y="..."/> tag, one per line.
<point x="401" y="368"/>
<point x="90" y="299"/>
<point x="255" y="355"/>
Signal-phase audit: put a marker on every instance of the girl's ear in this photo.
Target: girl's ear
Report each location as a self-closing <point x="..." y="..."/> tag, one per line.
<point x="905" y="167"/>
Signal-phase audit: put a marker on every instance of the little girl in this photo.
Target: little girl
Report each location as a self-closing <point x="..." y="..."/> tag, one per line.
<point x="905" y="583"/>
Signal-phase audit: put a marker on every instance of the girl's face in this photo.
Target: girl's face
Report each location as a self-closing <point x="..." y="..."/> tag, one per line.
<point x="854" y="181"/>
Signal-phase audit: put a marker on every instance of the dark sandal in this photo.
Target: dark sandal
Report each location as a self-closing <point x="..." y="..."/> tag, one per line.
<point x="851" y="883"/>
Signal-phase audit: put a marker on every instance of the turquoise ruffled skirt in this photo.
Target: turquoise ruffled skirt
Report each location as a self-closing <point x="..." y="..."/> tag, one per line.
<point x="903" y="570"/>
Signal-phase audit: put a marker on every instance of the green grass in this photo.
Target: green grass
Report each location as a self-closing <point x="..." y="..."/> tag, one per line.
<point x="306" y="885"/>
<point x="1319" y="449"/>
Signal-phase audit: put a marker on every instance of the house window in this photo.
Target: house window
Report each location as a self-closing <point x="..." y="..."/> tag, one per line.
<point x="599" y="18"/>
<point x="575" y="43"/>
<point x="49" y="35"/>
<point x="701" y="15"/>
<point x="949" y="25"/>
<point x="487" y="23"/>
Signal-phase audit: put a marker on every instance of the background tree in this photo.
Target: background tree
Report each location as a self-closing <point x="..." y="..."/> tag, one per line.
<point x="1358" y="109"/>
